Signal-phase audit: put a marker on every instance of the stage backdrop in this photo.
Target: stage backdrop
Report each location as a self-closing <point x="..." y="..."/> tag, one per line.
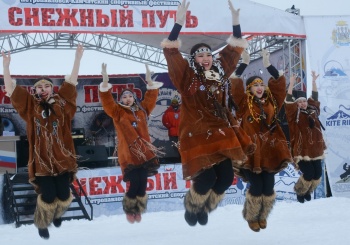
<point x="90" y="117"/>
<point x="328" y="40"/>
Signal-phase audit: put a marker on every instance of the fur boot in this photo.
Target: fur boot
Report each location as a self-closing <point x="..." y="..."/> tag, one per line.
<point x="267" y="205"/>
<point x="314" y="184"/>
<point x="251" y="211"/>
<point x="142" y="203"/>
<point x="62" y="207"/>
<point x="142" y="206"/>
<point x="213" y="201"/>
<point x="43" y="216"/>
<point x="210" y="205"/>
<point x="130" y="207"/>
<point x="301" y="188"/>
<point x="194" y="206"/>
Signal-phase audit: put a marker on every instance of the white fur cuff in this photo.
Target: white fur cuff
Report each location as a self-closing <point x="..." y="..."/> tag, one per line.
<point x="289" y="102"/>
<point x="105" y="89"/>
<point x="14" y="83"/>
<point x="67" y="78"/>
<point x="237" y="42"/>
<point x="166" y="43"/>
<point x="155" y="85"/>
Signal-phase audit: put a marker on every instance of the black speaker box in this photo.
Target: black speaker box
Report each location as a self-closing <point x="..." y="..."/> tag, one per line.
<point x="22" y="148"/>
<point x="92" y="156"/>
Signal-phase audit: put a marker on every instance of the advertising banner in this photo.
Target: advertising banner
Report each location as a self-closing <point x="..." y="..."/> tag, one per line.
<point x="142" y="17"/>
<point x="105" y="189"/>
<point x="328" y="40"/>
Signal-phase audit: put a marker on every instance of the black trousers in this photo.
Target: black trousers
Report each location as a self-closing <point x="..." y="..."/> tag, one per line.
<point x="312" y="170"/>
<point x="219" y="178"/>
<point x="138" y="182"/>
<point x="54" y="186"/>
<point x="260" y="184"/>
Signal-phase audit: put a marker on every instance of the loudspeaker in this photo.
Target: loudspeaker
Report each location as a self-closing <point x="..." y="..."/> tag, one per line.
<point x="78" y="141"/>
<point x="22" y="151"/>
<point x="92" y="156"/>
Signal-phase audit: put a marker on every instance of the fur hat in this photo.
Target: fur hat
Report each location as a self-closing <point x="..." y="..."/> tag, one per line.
<point x="43" y="80"/>
<point x="297" y="94"/>
<point x="126" y="91"/>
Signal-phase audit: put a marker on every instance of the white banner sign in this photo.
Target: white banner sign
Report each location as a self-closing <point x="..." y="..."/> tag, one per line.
<point x="328" y="41"/>
<point x="143" y="17"/>
<point x="105" y="189"/>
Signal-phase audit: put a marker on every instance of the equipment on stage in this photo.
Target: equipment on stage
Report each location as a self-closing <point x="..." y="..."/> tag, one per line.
<point x="78" y="133"/>
<point x="92" y="156"/>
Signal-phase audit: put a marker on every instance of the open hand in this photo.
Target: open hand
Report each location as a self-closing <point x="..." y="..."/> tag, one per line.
<point x="79" y="51"/>
<point x="234" y="13"/>
<point x="105" y="75"/>
<point x="148" y="76"/>
<point x="181" y="13"/>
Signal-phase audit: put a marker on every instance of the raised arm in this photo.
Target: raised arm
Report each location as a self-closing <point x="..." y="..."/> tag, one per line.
<point x="292" y="79"/>
<point x="6" y="60"/>
<point x="150" y="83"/>
<point x="266" y="62"/>
<point x="243" y="65"/>
<point x="314" y="94"/>
<point x="180" y="20"/>
<point x="235" y="21"/>
<point x="104" y="86"/>
<point x="314" y="78"/>
<point x="75" y="71"/>
<point x="151" y="95"/>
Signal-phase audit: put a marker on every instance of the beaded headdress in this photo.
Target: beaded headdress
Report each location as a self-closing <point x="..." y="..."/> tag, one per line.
<point x="43" y="81"/>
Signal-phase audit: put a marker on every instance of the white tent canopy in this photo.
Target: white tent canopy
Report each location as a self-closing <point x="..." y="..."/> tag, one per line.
<point x="212" y="20"/>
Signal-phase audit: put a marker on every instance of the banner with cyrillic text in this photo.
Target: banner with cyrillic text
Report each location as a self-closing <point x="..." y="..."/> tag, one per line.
<point x="328" y="39"/>
<point x="166" y="190"/>
<point x="143" y="17"/>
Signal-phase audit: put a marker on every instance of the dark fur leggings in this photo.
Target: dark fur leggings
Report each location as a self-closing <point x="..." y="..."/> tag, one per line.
<point x="260" y="184"/>
<point x="312" y="170"/>
<point x="219" y="178"/>
<point x="54" y="186"/>
<point x="138" y="182"/>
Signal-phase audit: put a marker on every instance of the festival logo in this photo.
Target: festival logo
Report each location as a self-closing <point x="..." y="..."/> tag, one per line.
<point x="341" y="34"/>
<point x="156" y="128"/>
<point x="339" y="118"/>
<point x="333" y="69"/>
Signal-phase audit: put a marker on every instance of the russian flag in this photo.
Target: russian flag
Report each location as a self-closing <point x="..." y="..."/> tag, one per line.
<point x="7" y="159"/>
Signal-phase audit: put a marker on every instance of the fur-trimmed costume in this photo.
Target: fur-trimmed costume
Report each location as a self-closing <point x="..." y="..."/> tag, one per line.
<point x="134" y="143"/>
<point x="272" y="153"/>
<point x="207" y="135"/>
<point x="51" y="148"/>
<point x="306" y="142"/>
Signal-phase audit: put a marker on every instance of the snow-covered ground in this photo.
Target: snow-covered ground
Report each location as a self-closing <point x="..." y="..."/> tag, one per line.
<point x="323" y="221"/>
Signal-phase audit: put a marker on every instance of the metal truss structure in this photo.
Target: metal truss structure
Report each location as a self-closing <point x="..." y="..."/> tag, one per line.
<point x="109" y="44"/>
<point x="131" y="50"/>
